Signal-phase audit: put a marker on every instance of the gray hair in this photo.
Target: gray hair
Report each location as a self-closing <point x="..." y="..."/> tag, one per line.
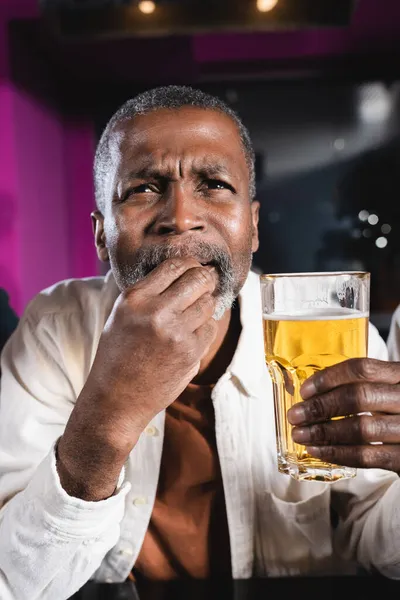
<point x="165" y="97"/>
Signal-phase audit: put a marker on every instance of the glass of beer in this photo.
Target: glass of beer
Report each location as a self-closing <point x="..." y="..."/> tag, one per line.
<point x="310" y="321"/>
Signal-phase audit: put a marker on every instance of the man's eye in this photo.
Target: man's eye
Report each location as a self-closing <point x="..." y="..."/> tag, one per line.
<point x="144" y="188"/>
<point x="217" y="184"/>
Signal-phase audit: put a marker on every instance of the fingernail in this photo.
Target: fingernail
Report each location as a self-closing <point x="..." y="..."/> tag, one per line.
<point x="296" y="415"/>
<point x="308" y="389"/>
<point x="300" y="435"/>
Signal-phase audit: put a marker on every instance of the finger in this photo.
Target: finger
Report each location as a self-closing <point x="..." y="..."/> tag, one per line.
<point x="346" y="400"/>
<point x="359" y="429"/>
<point x="205" y="335"/>
<point x="190" y="286"/>
<point x="363" y="457"/>
<point x="162" y="276"/>
<point x="351" y="371"/>
<point x="199" y="312"/>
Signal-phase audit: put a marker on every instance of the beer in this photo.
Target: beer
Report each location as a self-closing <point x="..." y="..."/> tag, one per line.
<point x="296" y="346"/>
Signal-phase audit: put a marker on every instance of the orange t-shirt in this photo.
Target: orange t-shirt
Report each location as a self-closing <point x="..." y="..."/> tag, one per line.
<point x="188" y="532"/>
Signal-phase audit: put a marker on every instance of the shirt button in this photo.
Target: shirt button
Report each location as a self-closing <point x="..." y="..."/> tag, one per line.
<point x="151" y="430"/>
<point x="139" y="501"/>
<point x="109" y="580"/>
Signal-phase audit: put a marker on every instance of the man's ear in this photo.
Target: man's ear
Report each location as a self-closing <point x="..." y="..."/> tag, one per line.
<point x="255" y="211"/>
<point x="99" y="235"/>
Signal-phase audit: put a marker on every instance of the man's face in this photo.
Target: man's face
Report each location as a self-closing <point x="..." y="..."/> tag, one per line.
<point x="179" y="186"/>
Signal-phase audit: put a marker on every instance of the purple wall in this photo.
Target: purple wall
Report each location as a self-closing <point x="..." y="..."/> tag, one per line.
<point x="9" y="189"/>
<point x="10" y="252"/>
<point x="43" y="210"/>
<point x="79" y="152"/>
<point x="46" y="190"/>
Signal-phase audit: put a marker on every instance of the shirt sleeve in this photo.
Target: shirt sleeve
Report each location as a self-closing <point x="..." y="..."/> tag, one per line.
<point x="393" y="340"/>
<point x="50" y="543"/>
<point x="369" y="526"/>
<point x="377" y="347"/>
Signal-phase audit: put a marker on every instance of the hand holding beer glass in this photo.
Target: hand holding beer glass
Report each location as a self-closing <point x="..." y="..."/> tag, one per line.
<point x="311" y="321"/>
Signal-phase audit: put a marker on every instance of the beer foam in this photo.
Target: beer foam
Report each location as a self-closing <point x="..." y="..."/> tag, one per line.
<point x="317" y="314"/>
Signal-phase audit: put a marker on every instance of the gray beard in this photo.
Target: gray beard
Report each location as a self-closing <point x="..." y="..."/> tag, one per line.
<point x="146" y="259"/>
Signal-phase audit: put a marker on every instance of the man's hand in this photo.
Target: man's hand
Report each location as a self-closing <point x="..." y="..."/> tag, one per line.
<point x="345" y="390"/>
<point x="149" y="351"/>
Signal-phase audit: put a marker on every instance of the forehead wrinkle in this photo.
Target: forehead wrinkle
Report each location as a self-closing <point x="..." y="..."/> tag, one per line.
<point x="212" y="166"/>
<point x="132" y="145"/>
<point x="148" y="168"/>
<point x="154" y="166"/>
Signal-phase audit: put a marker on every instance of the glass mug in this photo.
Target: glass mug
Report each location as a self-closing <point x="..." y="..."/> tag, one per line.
<point x="310" y="321"/>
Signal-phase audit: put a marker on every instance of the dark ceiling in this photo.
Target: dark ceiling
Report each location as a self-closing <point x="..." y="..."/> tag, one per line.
<point x="366" y="46"/>
<point x="113" y="19"/>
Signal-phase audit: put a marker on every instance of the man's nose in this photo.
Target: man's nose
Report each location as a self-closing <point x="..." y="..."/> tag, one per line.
<point x="181" y="212"/>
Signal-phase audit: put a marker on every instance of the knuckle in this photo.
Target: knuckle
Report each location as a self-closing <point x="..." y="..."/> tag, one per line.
<point x="364" y="368"/>
<point x="211" y="328"/>
<point x="369" y="427"/>
<point x="315" y="409"/>
<point x="208" y="302"/>
<point x="157" y="322"/>
<point x="176" y="337"/>
<point x="335" y="406"/>
<point x="196" y="278"/>
<point x="202" y="277"/>
<point x="198" y="308"/>
<point x="360" y="396"/>
<point x="204" y="306"/>
<point x="318" y="433"/>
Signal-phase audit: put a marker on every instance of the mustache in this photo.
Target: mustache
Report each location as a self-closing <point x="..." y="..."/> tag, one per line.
<point x="145" y="259"/>
<point x="148" y="258"/>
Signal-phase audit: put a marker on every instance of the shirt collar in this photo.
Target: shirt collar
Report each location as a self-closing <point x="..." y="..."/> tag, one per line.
<point x="248" y="363"/>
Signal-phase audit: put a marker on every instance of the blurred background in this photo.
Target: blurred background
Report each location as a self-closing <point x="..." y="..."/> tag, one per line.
<point x="316" y="82"/>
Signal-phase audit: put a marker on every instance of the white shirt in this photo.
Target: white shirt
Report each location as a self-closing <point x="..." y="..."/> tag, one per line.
<point x="393" y="340"/>
<point x="51" y="544"/>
